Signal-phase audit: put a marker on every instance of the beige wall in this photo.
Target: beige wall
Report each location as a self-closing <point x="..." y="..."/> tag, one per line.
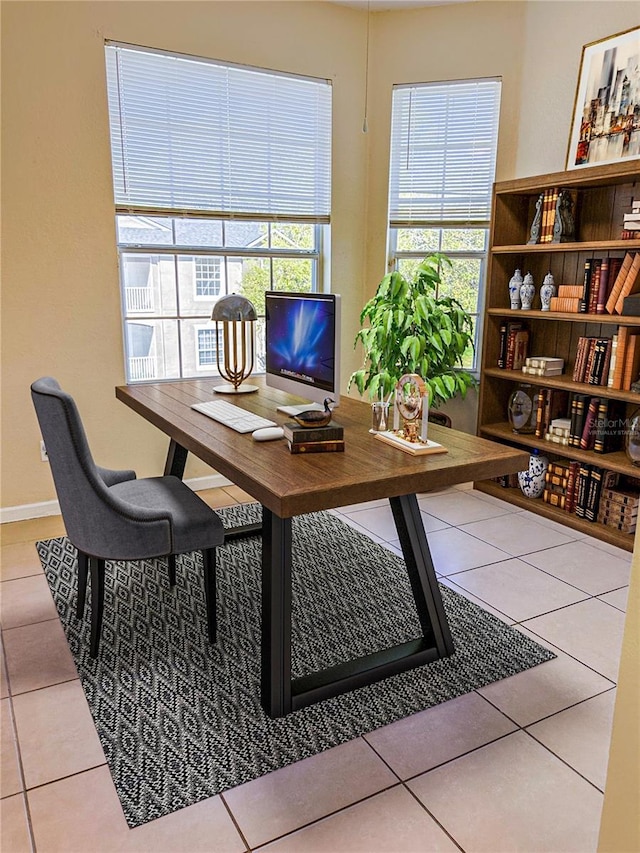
<point x="60" y="302"/>
<point x="60" y="296"/>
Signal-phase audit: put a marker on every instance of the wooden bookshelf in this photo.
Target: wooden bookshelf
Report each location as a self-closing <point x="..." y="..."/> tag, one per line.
<point x="604" y="193"/>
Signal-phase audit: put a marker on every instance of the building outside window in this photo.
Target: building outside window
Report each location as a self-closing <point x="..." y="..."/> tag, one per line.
<point x="443" y="153"/>
<point x="207" y="275"/>
<point x="222" y="185"/>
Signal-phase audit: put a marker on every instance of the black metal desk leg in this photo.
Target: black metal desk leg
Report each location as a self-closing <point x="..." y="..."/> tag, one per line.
<point x="422" y="575"/>
<point x="176" y="459"/>
<point x="276" y="614"/>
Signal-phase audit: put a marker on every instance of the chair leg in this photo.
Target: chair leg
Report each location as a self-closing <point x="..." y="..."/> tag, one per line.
<point x="172" y="569"/>
<point x="96" y="567"/>
<point x="83" y="571"/>
<point x="209" y="560"/>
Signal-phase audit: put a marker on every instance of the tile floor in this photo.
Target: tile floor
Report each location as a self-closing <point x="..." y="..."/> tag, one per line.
<point x="519" y="765"/>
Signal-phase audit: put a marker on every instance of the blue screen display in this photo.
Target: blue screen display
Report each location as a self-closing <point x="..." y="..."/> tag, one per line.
<point x="300" y="338"/>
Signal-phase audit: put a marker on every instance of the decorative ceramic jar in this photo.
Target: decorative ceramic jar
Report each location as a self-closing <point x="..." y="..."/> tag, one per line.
<point x="514" y="289"/>
<point x="521" y="411"/>
<point x="632" y="438"/>
<point x="547" y="291"/>
<point x="532" y="480"/>
<point x="527" y="292"/>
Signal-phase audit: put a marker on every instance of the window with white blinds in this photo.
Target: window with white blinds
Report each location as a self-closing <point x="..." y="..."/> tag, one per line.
<point x="191" y="134"/>
<point x="443" y="153"/>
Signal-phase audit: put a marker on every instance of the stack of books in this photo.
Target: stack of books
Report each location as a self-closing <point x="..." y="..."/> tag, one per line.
<point x="551" y="403"/>
<point x="329" y="438"/>
<point x="626" y="283"/>
<point x="514" y="345"/>
<point x="591" y="481"/>
<point x="559" y="431"/>
<point x="567" y="298"/>
<point x="593" y="360"/>
<point x="556" y="482"/>
<point x="619" y="508"/>
<point x="543" y="365"/>
<point x="631" y="223"/>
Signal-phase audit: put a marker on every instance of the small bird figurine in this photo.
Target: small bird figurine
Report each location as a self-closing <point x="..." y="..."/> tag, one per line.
<point x="314" y="418"/>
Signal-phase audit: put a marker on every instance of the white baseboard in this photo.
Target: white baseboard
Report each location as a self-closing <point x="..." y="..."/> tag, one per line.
<point x="40" y="510"/>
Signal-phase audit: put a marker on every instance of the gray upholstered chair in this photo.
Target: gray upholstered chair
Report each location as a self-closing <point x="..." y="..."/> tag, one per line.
<point x="111" y="515"/>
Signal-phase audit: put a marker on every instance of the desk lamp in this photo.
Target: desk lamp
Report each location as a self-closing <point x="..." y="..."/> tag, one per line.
<point x="237" y="316"/>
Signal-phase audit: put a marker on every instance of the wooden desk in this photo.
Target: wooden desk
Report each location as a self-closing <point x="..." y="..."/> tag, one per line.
<point x="288" y="485"/>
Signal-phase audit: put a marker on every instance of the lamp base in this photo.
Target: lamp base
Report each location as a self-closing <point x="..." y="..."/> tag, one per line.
<point x="229" y="389"/>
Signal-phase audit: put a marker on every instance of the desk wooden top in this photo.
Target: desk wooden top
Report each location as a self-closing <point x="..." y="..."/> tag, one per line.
<point x="293" y="484"/>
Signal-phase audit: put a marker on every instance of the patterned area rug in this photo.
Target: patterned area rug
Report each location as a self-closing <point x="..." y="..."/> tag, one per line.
<point x="180" y="720"/>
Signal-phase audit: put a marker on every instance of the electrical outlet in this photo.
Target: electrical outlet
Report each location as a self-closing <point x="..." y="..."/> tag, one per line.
<point x="44" y="456"/>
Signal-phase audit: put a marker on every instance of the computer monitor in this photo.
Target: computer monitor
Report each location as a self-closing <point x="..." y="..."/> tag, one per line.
<point x="302" y="342"/>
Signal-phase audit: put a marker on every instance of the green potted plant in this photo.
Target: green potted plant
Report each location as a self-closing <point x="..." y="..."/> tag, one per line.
<point x="414" y="330"/>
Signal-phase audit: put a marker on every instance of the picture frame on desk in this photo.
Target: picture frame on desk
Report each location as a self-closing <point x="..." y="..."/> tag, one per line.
<point x="603" y="88"/>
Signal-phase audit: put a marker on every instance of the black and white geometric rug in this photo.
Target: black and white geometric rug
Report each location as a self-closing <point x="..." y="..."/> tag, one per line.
<point x="180" y="720"/>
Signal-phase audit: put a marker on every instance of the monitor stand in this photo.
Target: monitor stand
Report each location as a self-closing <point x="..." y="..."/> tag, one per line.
<point x="296" y="410"/>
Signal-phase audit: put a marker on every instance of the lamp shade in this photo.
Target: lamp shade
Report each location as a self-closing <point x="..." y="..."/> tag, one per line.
<point x="233" y="308"/>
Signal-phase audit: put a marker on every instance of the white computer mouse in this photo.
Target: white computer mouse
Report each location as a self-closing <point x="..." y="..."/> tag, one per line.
<point x="267" y="433"/>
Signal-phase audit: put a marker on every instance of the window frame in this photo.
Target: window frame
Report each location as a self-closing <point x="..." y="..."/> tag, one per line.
<point x="443" y="225"/>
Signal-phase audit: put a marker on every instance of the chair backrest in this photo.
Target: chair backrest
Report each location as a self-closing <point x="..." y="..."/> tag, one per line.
<point x="79" y="488"/>
<point x="97" y="522"/>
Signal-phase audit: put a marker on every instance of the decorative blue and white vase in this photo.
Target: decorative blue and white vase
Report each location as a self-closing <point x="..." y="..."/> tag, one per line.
<point x="547" y="291"/>
<point x="527" y="292"/>
<point x="515" y="283"/>
<point x="532" y="480"/>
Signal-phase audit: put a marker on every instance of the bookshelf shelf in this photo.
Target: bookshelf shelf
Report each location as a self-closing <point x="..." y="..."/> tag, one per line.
<point x="603" y="194"/>
<point x="606" y="534"/>
<point x="595" y="246"/>
<point x="592" y="319"/>
<point x="564" y="383"/>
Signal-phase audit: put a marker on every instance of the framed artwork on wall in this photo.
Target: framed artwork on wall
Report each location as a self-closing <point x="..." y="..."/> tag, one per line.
<point x="606" y="114"/>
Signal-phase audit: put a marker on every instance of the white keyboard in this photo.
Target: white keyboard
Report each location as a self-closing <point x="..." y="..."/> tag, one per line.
<point x="232" y="416"/>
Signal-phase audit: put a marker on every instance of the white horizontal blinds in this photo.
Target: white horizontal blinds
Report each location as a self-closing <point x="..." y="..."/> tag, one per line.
<point x="192" y="135"/>
<point x="443" y="152"/>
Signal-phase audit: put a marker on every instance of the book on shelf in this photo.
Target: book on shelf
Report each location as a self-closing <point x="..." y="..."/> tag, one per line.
<point x="566" y="304"/>
<point x="542" y="371"/>
<point x="582" y="489"/>
<point x="572" y="484"/>
<point x="631" y="283"/>
<point x="507" y="341"/>
<point x="551" y="404"/>
<point x="556" y="479"/>
<point x="554" y="498"/>
<point x="326" y="446"/>
<point x="547" y="361"/>
<point x="610" y="426"/>
<point x="622" y="496"/>
<point x="631" y="361"/>
<point x="612" y="361"/>
<point x="548" y="214"/>
<point x="603" y="286"/>
<point x="578" y="407"/>
<point x="621" y="355"/>
<point x="597" y="369"/>
<point x="586" y="286"/>
<point x="296" y="434"/>
<point x="588" y="437"/>
<point x="594" y="286"/>
<point x="569" y="291"/>
<point x="517" y="351"/>
<point x="619" y="281"/>
<point x="617" y="511"/>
